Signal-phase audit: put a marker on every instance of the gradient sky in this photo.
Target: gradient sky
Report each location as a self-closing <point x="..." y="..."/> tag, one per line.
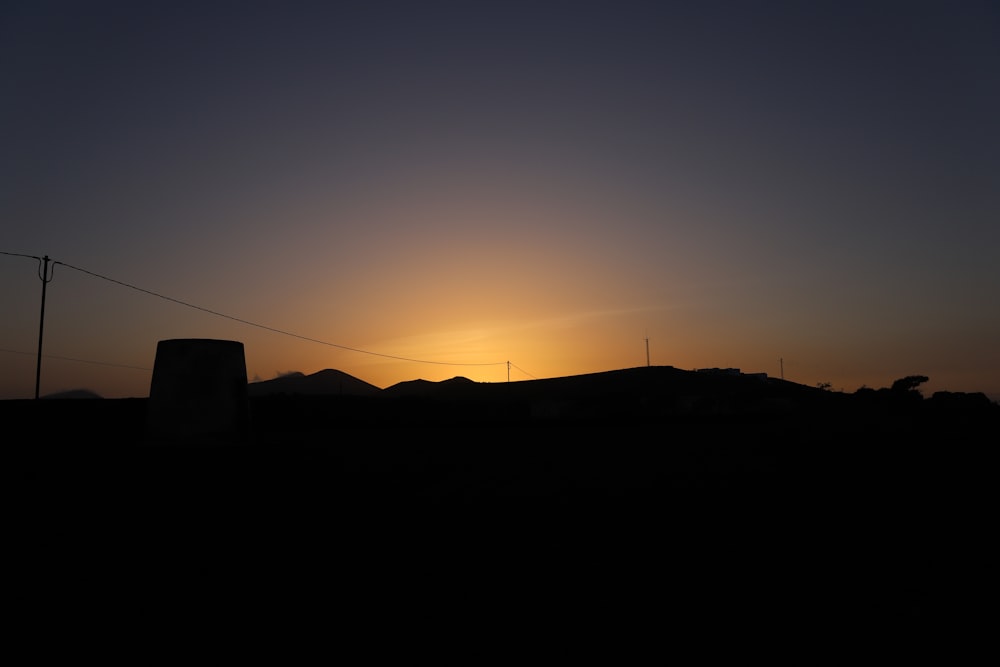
<point x="810" y="187"/>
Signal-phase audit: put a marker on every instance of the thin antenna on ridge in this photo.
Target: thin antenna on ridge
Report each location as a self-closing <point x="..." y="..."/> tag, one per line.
<point x="647" y="350"/>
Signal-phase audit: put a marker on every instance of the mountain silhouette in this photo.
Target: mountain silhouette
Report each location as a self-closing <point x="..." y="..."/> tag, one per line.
<point x="643" y="393"/>
<point x="648" y="393"/>
<point x="456" y="386"/>
<point x="325" y="382"/>
<point x="73" y="393"/>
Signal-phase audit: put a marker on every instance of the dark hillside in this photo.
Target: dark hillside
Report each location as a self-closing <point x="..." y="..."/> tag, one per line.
<point x="326" y="382"/>
<point x="790" y="503"/>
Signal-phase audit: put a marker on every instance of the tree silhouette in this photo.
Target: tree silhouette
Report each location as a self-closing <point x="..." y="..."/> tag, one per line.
<point x="909" y="383"/>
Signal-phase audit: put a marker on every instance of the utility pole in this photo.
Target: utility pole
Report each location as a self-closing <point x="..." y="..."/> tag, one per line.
<point x="647" y="351"/>
<point x="508" y="372"/>
<point x="781" y="361"/>
<point x="46" y="278"/>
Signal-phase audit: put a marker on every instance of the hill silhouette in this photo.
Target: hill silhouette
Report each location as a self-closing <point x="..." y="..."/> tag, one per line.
<point x="452" y="387"/>
<point x="645" y="379"/>
<point x="686" y="390"/>
<point x="325" y="382"/>
<point x="73" y="393"/>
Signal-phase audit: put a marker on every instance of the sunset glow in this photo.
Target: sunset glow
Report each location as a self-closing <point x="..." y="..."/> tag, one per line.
<point x="407" y="194"/>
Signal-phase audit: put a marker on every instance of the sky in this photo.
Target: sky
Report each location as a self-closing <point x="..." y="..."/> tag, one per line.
<point x="501" y="190"/>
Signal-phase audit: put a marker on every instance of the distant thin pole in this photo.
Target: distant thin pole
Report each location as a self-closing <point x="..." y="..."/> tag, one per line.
<point x="781" y="360"/>
<point x="647" y="351"/>
<point x="46" y="279"/>
<point x="508" y="372"/>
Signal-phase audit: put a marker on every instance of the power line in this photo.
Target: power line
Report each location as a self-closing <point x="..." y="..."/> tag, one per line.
<point x="82" y="361"/>
<point x="18" y="254"/>
<point x="235" y="319"/>
<point x="522" y="370"/>
<point x="272" y="329"/>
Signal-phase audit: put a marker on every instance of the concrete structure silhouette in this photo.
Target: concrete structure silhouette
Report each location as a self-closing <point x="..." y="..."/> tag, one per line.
<point x="198" y="393"/>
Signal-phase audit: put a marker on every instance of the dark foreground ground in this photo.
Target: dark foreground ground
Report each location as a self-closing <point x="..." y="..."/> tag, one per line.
<point x="794" y="523"/>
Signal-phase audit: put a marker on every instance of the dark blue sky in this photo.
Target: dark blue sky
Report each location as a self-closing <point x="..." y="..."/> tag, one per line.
<point x="547" y="183"/>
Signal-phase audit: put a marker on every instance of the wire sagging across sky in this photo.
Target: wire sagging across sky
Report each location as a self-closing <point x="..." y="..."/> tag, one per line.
<point x="257" y="325"/>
